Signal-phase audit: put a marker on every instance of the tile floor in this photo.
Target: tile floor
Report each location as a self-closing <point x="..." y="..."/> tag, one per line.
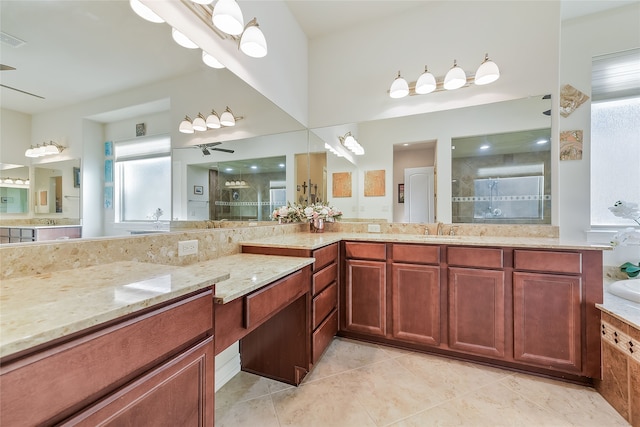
<point x="359" y="384"/>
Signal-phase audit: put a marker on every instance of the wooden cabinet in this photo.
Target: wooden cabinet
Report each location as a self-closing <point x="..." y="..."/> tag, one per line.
<point x="547" y="320"/>
<point x="476" y="304"/>
<point x="415" y="299"/>
<point x="365" y="297"/>
<point x="155" y="365"/>
<point x="323" y="289"/>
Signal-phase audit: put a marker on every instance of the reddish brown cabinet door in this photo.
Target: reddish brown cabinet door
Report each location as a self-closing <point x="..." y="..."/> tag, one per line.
<point x="415" y="299"/>
<point x="476" y="311"/>
<point x="365" y="297"/>
<point x="547" y="320"/>
<point x="176" y="393"/>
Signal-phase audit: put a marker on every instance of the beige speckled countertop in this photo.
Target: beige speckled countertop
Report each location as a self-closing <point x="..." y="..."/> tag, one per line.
<point x="37" y="309"/>
<point x="248" y="272"/>
<point x="41" y="308"/>
<point x="317" y="240"/>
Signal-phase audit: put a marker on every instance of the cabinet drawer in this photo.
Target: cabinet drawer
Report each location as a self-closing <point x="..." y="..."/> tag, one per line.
<point x="475" y="257"/>
<point x="422" y="254"/>
<point x="325" y="256"/>
<point x="359" y="250"/>
<point x="322" y="278"/>
<point x="56" y="381"/>
<point x="261" y="304"/>
<point x="326" y="301"/>
<point x="324" y="334"/>
<point x="548" y="261"/>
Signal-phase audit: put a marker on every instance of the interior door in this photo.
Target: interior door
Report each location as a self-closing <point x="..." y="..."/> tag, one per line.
<point x="419" y="194"/>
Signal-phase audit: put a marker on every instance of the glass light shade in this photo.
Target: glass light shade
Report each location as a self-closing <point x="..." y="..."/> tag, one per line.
<point x="227" y="119"/>
<point x="243" y="183"/>
<point x="182" y="40"/>
<point x="29" y="152"/>
<point x="144" y="12"/>
<point x="202" y="1"/>
<point x="488" y="72"/>
<point x="186" y="126"/>
<point x="213" y="121"/>
<point x="19" y="181"/>
<point x="349" y="141"/>
<point x="211" y="61"/>
<point x="8" y="181"/>
<point x="199" y="123"/>
<point x="39" y="151"/>
<point x="426" y="83"/>
<point x="227" y="183"/>
<point x="227" y="17"/>
<point x="253" y="43"/>
<point x="455" y="78"/>
<point x="399" y="88"/>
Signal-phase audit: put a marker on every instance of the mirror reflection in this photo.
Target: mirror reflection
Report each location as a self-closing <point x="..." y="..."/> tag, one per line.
<point x="14" y="190"/>
<point x="57" y="188"/>
<point x="502" y="178"/>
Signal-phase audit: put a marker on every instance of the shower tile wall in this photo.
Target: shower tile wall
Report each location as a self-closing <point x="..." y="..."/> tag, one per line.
<point x="465" y="175"/>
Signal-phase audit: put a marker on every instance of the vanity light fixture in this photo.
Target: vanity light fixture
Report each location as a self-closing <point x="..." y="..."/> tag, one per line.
<point x="252" y="42"/>
<point x="186" y="126"/>
<point x="16" y="181"/>
<point x="212" y="121"/>
<point x="46" y="149"/>
<point x="455" y="78"/>
<point x="349" y="142"/>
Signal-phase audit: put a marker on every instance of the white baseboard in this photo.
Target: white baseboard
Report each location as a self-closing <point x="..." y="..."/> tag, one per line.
<point x="227" y="366"/>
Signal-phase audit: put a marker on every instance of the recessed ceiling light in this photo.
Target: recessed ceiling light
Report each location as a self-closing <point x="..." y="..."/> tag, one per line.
<point x="484" y="147"/>
<point x="254" y="167"/>
<point x="542" y="141"/>
<point x="453" y="147"/>
<point x="228" y="169"/>
<point x="405" y="144"/>
<point x="281" y="165"/>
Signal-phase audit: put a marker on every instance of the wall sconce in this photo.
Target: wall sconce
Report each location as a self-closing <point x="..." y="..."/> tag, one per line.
<point x="455" y="78"/>
<point x="213" y="121"/>
<point x="46" y="149"/>
<point x="350" y="143"/>
<point x="15" y="181"/>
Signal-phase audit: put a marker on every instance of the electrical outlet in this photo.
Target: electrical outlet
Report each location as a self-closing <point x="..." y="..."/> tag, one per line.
<point x="188" y="247"/>
<point x="373" y="228"/>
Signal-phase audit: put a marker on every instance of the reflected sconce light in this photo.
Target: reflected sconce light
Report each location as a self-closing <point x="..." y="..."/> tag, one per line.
<point x="182" y="40"/>
<point x="211" y="61"/>
<point x="488" y="72"/>
<point x="350" y="143"/>
<point x="46" y="149"/>
<point x="16" y="181"/>
<point x="144" y="12"/>
<point x="212" y="121"/>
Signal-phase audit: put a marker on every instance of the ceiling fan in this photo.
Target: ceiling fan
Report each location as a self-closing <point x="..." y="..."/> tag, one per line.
<point x="206" y="148"/>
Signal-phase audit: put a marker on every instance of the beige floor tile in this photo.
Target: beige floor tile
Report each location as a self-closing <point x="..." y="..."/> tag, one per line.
<point x="494" y="405"/>
<point x="250" y="413"/>
<point x="449" y="377"/>
<point x="343" y="355"/>
<point x="324" y="402"/>
<point x="389" y="392"/>
<point x="245" y="386"/>
<point x="579" y="405"/>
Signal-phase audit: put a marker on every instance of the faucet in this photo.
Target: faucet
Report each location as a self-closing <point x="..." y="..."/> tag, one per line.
<point x="440" y="227"/>
<point x="426" y="230"/>
<point x="452" y="231"/>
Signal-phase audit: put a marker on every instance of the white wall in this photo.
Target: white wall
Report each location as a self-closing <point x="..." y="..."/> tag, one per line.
<point x="350" y="71"/>
<point x="15" y="137"/>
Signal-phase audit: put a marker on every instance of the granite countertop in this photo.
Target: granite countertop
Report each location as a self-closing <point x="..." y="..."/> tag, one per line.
<point x="37" y="309"/>
<point x="248" y="272"/>
<point x="32" y="226"/>
<point x="317" y="240"/>
<point x="622" y="309"/>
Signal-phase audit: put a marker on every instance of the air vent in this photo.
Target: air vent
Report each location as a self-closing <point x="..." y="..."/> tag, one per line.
<point x="10" y="40"/>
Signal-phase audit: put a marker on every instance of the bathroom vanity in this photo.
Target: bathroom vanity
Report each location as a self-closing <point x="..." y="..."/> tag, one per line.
<point x="36" y="233"/>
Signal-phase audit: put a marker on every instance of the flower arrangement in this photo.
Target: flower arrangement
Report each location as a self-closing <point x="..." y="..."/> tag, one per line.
<point x="289" y="213"/>
<point x="156" y="215"/>
<point x="629" y="236"/>
<point x="322" y="211"/>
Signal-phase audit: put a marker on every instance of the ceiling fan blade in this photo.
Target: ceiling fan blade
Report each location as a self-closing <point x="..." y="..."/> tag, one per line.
<point x="22" y="91"/>
<point x="211" y="144"/>
<point x="223" y="149"/>
<point x="6" y="67"/>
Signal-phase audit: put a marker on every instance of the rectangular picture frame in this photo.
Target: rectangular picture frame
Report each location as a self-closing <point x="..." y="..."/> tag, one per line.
<point x="198" y="190"/>
<point x="400" y="193"/>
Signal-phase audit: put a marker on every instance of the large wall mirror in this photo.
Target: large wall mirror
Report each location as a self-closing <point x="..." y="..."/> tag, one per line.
<point x="56" y="189"/>
<point x="14" y="190"/>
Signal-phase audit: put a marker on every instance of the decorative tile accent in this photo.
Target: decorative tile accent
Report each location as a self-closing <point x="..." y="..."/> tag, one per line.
<point x="342" y="184"/>
<point x="374" y="183"/>
<point x="571" y="145"/>
<point x="570" y="99"/>
<point x="623" y="342"/>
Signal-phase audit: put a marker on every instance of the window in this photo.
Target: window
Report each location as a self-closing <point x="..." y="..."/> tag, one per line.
<point x="143" y="178"/>
<point x="615" y="135"/>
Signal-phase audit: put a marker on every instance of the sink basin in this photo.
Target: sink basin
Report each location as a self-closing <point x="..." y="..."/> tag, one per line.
<point x="627" y="289"/>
